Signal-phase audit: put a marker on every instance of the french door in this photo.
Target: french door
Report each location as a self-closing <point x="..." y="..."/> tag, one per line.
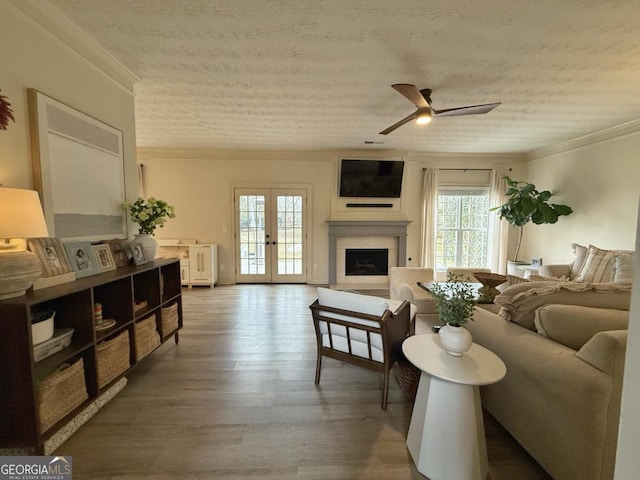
<point x="270" y="235"/>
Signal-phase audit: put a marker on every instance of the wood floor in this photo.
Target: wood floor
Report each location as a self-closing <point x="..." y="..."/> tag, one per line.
<point x="236" y="400"/>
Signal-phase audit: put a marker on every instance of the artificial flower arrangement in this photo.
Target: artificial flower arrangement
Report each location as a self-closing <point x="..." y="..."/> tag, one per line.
<point x="149" y="215"/>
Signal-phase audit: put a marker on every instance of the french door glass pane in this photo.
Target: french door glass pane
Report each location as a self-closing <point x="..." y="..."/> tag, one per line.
<point x="289" y="216"/>
<point x="252" y="235"/>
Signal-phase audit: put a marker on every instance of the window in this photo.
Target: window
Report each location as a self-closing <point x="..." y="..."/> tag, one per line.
<point x="462" y="227"/>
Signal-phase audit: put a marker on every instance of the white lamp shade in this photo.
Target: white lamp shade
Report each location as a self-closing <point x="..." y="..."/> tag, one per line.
<point x="21" y="214"/>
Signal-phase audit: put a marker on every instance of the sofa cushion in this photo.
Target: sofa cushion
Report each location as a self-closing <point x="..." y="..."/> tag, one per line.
<point x="519" y="302"/>
<point x="574" y="325"/>
<point x="354" y="302"/>
<point x="599" y="267"/>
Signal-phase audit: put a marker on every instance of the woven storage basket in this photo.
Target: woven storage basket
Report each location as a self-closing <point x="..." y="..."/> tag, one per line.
<point x="408" y="377"/>
<point x="58" y="394"/>
<point x="147" y="337"/>
<point x="113" y="358"/>
<point x="169" y="319"/>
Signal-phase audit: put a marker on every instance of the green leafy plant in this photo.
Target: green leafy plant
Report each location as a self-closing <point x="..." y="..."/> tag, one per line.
<point x="149" y="215"/>
<point x="455" y="300"/>
<point x="6" y="113"/>
<point x="526" y="204"/>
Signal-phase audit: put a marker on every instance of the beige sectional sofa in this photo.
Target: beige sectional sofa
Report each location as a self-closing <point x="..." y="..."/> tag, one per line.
<point x="564" y="345"/>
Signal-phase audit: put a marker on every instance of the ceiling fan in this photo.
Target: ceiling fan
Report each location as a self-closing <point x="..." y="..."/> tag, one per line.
<point x="422" y="100"/>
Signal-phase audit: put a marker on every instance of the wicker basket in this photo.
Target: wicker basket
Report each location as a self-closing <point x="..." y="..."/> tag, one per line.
<point x="147" y="337"/>
<point x="169" y="317"/>
<point x="113" y="358"/>
<point x="60" y="393"/>
<point x="408" y="376"/>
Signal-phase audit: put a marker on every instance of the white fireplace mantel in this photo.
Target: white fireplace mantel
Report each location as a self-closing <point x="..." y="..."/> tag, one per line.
<point x="366" y="228"/>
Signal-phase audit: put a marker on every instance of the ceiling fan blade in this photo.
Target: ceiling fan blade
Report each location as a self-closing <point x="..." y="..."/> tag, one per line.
<point x="470" y="110"/>
<point x="399" y="124"/>
<point x="412" y="93"/>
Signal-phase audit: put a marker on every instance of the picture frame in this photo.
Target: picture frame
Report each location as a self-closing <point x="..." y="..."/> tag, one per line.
<point x="52" y="256"/>
<point x="68" y="147"/>
<point x="137" y="251"/>
<point x="118" y="252"/>
<point x="104" y="258"/>
<point x="82" y="259"/>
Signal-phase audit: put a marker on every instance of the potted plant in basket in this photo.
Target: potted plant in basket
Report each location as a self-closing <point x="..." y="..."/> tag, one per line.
<point x="149" y="216"/>
<point x="455" y="300"/>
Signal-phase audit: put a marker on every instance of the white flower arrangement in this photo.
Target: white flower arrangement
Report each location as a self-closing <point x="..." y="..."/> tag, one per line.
<point x="149" y="215"/>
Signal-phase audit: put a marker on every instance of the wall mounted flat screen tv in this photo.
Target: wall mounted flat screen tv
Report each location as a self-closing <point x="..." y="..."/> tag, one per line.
<point x="371" y="178"/>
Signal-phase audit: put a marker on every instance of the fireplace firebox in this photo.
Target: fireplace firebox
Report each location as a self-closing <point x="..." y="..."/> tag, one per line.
<point x="366" y="261"/>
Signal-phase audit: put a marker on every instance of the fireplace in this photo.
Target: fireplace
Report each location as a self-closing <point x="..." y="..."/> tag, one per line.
<point x="390" y="235"/>
<point x="366" y="261"/>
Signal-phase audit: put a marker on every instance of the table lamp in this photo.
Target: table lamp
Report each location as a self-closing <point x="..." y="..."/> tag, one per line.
<point x="20" y="217"/>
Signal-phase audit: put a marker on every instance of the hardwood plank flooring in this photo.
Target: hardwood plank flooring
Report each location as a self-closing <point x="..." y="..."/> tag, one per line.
<point x="236" y="400"/>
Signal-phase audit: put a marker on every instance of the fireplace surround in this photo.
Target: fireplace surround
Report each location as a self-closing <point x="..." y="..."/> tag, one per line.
<point x="366" y="228"/>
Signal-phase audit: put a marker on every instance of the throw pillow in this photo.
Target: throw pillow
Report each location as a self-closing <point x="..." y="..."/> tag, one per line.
<point x="574" y="325"/>
<point x="624" y="267"/>
<point x="599" y="267"/>
<point x="580" y="255"/>
<point x="514" y="280"/>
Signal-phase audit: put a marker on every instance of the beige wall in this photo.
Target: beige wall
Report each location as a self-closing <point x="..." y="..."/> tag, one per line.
<point x="200" y="185"/>
<point x="32" y="58"/>
<point x="600" y="182"/>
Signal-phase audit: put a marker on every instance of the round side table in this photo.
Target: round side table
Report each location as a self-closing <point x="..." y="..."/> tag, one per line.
<point x="446" y="434"/>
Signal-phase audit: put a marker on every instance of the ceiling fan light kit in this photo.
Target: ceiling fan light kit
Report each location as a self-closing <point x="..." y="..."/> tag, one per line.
<point x="425" y="111"/>
<point x="423" y="117"/>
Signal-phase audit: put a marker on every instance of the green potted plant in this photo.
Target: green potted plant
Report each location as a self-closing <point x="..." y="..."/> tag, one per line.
<point x="526" y="204"/>
<point x="455" y="300"/>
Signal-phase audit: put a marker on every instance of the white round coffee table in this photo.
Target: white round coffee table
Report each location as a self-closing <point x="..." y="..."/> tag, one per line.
<point x="446" y="434"/>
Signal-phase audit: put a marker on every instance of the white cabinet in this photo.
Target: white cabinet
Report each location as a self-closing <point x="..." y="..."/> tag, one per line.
<point x="184" y="272"/>
<point x="203" y="264"/>
<point x="198" y="262"/>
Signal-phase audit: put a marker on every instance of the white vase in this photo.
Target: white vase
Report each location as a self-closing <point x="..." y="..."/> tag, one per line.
<point x="455" y="340"/>
<point x="149" y="245"/>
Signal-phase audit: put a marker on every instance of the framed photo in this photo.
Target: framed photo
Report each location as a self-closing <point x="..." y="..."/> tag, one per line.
<point x="118" y="252"/>
<point x="138" y="253"/>
<point x="103" y="257"/>
<point x="51" y="255"/>
<point x="68" y="148"/>
<point x="81" y="258"/>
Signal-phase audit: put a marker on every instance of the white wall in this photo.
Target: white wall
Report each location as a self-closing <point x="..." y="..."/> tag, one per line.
<point x="601" y="183"/>
<point x="199" y="185"/>
<point x="32" y="58"/>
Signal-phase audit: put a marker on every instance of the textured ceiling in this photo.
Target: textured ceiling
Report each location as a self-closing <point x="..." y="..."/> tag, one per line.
<point x="317" y="74"/>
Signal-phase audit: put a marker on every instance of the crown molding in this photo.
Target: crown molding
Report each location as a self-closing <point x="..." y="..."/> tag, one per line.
<point x="260" y="155"/>
<point x="44" y="16"/>
<point x="628" y="128"/>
